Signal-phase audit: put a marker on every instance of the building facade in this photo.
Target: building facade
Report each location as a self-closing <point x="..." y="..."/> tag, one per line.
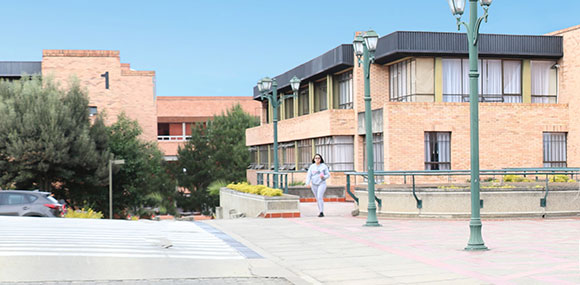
<point x="116" y="88"/>
<point x="528" y="89"/>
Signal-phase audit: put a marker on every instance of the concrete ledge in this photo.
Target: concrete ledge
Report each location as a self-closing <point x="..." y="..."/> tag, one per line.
<point x="332" y="194"/>
<point x="237" y="204"/>
<point x="521" y="201"/>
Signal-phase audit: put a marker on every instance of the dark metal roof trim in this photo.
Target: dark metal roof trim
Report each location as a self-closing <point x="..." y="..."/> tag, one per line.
<point x="17" y="68"/>
<point x="336" y="59"/>
<point x="400" y="44"/>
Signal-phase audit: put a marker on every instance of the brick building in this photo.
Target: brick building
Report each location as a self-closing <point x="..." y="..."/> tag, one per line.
<point x="114" y="87"/>
<point x="419" y="87"/>
<point x="175" y="115"/>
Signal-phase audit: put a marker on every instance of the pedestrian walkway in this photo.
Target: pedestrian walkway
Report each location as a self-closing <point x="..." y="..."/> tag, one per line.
<point x="338" y="249"/>
<point x="115" y="238"/>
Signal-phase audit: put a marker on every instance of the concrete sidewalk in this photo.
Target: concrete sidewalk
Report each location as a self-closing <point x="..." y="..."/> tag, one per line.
<point x="337" y="249"/>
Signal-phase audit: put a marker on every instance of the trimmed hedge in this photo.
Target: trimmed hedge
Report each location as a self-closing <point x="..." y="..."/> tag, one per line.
<point x="255" y="189"/>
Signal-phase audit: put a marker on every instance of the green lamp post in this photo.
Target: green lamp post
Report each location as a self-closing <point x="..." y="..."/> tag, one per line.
<point x="268" y="89"/>
<point x="364" y="48"/>
<point x="457" y="8"/>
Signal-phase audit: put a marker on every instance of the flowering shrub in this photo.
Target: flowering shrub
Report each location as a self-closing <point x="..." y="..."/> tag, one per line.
<point x="255" y="189"/>
<point x="83" y="214"/>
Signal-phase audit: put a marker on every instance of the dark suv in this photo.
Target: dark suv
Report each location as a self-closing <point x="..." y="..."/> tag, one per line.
<point x="29" y="203"/>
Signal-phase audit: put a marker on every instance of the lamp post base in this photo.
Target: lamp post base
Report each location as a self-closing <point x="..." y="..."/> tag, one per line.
<point x="372" y="224"/>
<point x="475" y="239"/>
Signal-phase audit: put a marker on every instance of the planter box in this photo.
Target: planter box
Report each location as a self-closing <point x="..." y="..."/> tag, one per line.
<point x="332" y="194"/>
<point x="521" y="201"/>
<point x="237" y="204"/>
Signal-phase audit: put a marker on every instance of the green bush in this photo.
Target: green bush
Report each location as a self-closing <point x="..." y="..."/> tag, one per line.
<point x="83" y="214"/>
<point x="560" y="178"/>
<point x="255" y="189"/>
<point x="515" y="178"/>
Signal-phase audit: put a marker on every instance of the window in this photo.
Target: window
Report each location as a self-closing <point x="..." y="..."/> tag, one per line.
<point x="402" y="77"/>
<point x="499" y="80"/>
<point x="378" y="155"/>
<point x="287" y="155"/>
<point x="512" y="81"/>
<point x="437" y="151"/>
<point x="337" y="151"/>
<point x="320" y="99"/>
<point x="92" y="111"/>
<point x="289" y="108"/>
<point x="303" y="105"/>
<point x="263" y="151"/>
<point x="266" y="108"/>
<point x="343" y="86"/>
<point x="253" y="157"/>
<point x="304" y="154"/>
<point x="554" y="149"/>
<point x="543" y="81"/>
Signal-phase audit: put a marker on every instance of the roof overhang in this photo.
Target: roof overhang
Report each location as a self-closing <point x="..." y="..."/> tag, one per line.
<point x="18" y="68"/>
<point x="337" y="59"/>
<point x="398" y="45"/>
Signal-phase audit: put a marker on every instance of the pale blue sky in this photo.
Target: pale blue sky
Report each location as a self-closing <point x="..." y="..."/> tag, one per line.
<point x="221" y="48"/>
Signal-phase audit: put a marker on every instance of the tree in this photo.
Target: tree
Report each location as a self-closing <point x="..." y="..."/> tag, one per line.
<point x="144" y="181"/>
<point x="46" y="137"/>
<point x="214" y="152"/>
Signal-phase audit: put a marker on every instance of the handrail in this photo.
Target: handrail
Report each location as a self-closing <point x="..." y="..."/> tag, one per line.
<point x="485" y="172"/>
<point x="280" y="177"/>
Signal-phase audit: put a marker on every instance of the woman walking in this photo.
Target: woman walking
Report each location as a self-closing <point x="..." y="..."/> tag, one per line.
<point x="316" y="180"/>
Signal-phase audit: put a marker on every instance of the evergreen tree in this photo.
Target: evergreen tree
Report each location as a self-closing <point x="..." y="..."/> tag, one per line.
<point x="144" y="180"/>
<point x="45" y="135"/>
<point x="216" y="152"/>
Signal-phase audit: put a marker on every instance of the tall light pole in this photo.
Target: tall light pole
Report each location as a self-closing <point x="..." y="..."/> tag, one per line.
<point x="365" y="48"/>
<point x="264" y="86"/>
<point x="457" y="8"/>
<point x="111" y="162"/>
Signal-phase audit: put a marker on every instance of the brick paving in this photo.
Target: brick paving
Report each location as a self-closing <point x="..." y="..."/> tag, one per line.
<point x="338" y="249"/>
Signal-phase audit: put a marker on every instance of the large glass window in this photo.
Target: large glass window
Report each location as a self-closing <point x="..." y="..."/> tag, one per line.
<point x="437" y="151"/>
<point x="304" y="154"/>
<point x="320" y="98"/>
<point x="378" y="152"/>
<point x="286" y="156"/>
<point x="263" y="150"/>
<point x="303" y="105"/>
<point x="253" y="157"/>
<point x="543" y="81"/>
<point x="343" y="90"/>
<point x="337" y="151"/>
<point x="289" y="108"/>
<point x="499" y="80"/>
<point x="554" y="149"/>
<point x="401" y="79"/>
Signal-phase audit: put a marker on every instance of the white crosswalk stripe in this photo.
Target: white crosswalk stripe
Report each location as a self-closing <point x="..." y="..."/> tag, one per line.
<point x="110" y="238"/>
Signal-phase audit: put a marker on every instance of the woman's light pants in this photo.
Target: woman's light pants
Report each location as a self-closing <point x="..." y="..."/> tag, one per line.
<point x="318" y="192"/>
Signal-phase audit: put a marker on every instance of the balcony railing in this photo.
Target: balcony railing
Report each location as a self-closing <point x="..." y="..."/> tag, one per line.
<point x="173" y="138"/>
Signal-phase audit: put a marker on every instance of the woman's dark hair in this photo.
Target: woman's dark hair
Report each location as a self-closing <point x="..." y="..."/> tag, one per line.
<point x="321" y="159"/>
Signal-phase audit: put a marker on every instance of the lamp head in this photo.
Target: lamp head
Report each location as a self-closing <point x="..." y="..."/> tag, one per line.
<point x="266" y="84"/>
<point x="485" y="3"/>
<point x="458" y="7"/>
<point x="371" y="40"/>
<point x="357" y="43"/>
<point x="260" y="89"/>
<point x="295" y="83"/>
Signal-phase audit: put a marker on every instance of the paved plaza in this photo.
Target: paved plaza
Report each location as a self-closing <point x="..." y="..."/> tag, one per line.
<point x="336" y="249"/>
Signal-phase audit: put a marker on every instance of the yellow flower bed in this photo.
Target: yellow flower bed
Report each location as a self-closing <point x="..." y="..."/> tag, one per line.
<point x="83" y="214"/>
<point x="255" y="189"/>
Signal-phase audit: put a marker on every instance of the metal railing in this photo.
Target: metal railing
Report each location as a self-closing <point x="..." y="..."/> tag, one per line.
<point x="506" y="171"/>
<point x="280" y="177"/>
<point x="173" y="138"/>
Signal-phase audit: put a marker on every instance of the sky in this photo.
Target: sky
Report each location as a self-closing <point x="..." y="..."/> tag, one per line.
<point x="222" y="48"/>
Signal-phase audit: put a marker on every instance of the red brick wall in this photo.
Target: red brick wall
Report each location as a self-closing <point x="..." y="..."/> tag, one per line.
<point x="130" y="91"/>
